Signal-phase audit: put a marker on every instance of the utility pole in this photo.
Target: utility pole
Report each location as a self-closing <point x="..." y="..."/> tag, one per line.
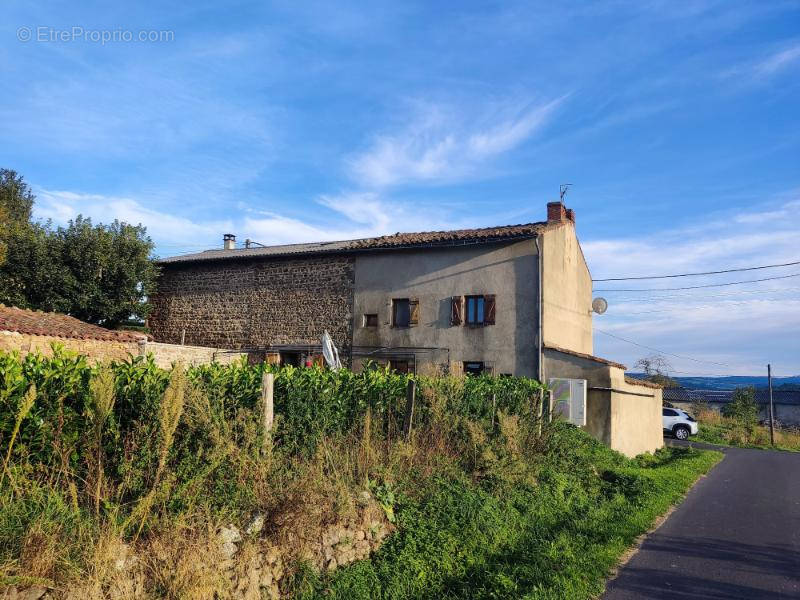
<point x="771" y="409"/>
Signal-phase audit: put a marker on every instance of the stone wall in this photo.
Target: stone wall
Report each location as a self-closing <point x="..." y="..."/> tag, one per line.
<point x="95" y="350"/>
<point x="167" y="354"/>
<point x="254" y="304"/>
<point x="105" y="350"/>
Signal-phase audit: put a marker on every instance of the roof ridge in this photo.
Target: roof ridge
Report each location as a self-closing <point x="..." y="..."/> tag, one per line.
<point x="399" y="240"/>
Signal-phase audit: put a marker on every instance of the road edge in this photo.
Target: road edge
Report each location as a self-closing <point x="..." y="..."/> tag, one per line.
<point x="634" y="548"/>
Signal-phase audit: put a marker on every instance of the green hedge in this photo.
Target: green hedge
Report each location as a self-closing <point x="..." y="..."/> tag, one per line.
<point x="310" y="403"/>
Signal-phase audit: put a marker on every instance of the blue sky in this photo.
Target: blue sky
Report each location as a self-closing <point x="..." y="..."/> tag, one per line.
<point x="676" y="122"/>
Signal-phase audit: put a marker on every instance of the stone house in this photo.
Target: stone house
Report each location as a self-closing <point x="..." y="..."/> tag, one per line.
<point x="510" y="300"/>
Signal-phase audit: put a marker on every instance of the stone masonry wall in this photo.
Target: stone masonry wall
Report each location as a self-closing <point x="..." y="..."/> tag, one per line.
<point x="95" y="350"/>
<point x="105" y="350"/>
<point x="165" y="355"/>
<point x="255" y="304"/>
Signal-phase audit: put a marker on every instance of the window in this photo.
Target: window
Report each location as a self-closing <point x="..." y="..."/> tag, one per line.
<point x="291" y="358"/>
<point x="473" y="310"/>
<point x="473" y="368"/>
<point x="400" y="366"/>
<point x="475" y="306"/>
<point x="371" y="320"/>
<point x="401" y="312"/>
<point x="667" y="412"/>
<point x="405" y="312"/>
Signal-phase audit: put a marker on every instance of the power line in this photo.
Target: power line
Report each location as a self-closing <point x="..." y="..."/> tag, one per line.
<point x="697" y="287"/>
<point x="724" y="303"/>
<point x="789" y="264"/>
<point x="716" y="296"/>
<point x="710" y="362"/>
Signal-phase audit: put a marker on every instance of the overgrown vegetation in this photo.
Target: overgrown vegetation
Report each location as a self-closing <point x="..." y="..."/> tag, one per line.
<point x="738" y="425"/>
<point x="489" y="500"/>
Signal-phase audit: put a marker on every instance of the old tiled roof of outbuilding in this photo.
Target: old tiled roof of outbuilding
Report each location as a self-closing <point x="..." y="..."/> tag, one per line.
<point x="34" y="322"/>
<point x="590" y="357"/>
<point x="643" y="382"/>
<point x="456" y="237"/>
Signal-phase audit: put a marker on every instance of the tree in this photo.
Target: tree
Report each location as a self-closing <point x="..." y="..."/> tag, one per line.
<point x="656" y="369"/>
<point x="102" y="274"/>
<point x="16" y="198"/>
<point x="742" y="406"/>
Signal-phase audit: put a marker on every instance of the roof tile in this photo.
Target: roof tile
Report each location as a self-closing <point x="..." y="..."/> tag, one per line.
<point x="384" y="242"/>
<point x="35" y="322"/>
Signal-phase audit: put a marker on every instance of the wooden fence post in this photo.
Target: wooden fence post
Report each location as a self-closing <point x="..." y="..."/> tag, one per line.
<point x="408" y="423"/>
<point x="267" y="404"/>
<point x="539" y="412"/>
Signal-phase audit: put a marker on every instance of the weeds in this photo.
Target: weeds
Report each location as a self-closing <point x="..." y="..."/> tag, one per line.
<point x="131" y="459"/>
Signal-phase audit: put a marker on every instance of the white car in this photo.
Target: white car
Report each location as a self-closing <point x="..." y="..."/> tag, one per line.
<point x="679" y="423"/>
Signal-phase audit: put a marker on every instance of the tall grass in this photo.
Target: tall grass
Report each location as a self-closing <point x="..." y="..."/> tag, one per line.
<point x="114" y="453"/>
<point x="127" y="461"/>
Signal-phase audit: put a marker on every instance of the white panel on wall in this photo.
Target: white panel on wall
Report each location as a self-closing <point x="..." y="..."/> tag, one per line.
<point x="569" y="399"/>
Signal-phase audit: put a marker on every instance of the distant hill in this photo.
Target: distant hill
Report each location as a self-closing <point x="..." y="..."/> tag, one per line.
<point x="730" y="382"/>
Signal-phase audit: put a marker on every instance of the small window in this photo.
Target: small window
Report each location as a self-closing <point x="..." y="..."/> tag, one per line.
<point x="667" y="412"/>
<point x="475" y="310"/>
<point x="399" y="366"/>
<point x="371" y="320"/>
<point x="473" y="368"/>
<point x="401" y="312"/>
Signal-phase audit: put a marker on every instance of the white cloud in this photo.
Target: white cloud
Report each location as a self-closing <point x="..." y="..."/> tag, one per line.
<point x="441" y="145"/>
<point x="778" y="61"/>
<point x="355" y="215"/>
<point x="166" y="228"/>
<point x="765" y="68"/>
<point x="734" y="329"/>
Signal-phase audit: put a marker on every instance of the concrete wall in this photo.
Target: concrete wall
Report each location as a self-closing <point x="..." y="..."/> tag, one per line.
<point x="434" y="276"/>
<point x="625" y="416"/>
<point x="636" y="419"/>
<point x="240" y="304"/>
<point x="566" y="311"/>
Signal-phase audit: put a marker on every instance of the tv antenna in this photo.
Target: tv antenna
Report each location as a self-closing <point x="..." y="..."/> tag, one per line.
<point x="562" y="191"/>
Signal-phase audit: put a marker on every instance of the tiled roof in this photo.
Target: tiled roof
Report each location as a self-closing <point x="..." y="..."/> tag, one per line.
<point x="34" y="322"/>
<point x="385" y="242"/>
<point x="642" y="382"/>
<point x="725" y="396"/>
<point x="596" y="359"/>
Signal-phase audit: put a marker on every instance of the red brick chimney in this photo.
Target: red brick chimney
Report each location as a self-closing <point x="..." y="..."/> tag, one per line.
<point x="556" y="211"/>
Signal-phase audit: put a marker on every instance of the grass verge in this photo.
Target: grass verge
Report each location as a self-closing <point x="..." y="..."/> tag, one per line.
<point x="556" y="536"/>
<point x="724" y="431"/>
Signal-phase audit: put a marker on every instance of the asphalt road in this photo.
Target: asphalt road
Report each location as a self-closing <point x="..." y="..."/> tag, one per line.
<point x="737" y="535"/>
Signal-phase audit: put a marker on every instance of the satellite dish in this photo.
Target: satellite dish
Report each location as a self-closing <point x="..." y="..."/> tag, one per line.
<point x="329" y="352"/>
<point x="599" y="305"/>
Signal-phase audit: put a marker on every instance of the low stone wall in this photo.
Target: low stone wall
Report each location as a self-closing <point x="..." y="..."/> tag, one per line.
<point x="165" y="355"/>
<point x="95" y="350"/>
<point x="246" y="565"/>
